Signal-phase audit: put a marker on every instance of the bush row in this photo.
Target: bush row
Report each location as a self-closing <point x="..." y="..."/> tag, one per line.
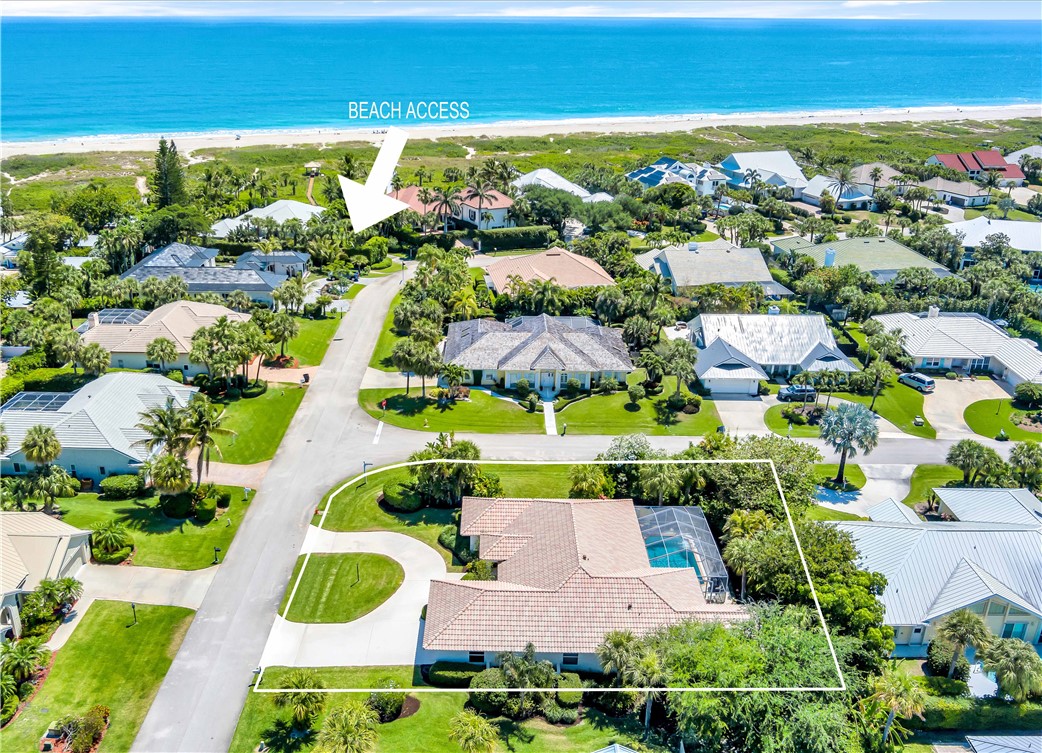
<point x="977" y="714"/>
<point x="509" y="238"/>
<point x="122" y="487"/>
<point x="453" y="674"/>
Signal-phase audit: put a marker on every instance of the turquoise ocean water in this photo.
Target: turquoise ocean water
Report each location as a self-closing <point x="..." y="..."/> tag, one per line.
<point x="65" y="78"/>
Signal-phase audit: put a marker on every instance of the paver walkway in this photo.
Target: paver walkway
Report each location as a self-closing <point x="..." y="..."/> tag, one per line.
<point x="388" y="635"/>
<point x="142" y="585"/>
<point x="550" y="419"/>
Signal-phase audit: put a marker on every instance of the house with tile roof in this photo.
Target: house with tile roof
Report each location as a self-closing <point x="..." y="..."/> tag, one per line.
<point x="975" y="164"/>
<point x="128" y="336"/>
<point x="736" y="351"/>
<point x="965" y="341"/>
<point x="879" y="256"/>
<point x="563" y="267"/>
<point x="545" y="350"/>
<point x="863" y="178"/>
<point x="957" y="193"/>
<point x="936" y="568"/>
<point x="34" y="547"/>
<point x="278" y="211"/>
<point x="718" y="262"/>
<point x="96" y="424"/>
<point x="567" y="572"/>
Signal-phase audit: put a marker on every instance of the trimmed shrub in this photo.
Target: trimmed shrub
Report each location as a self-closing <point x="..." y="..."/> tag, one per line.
<point x="573" y="697"/>
<point x="479" y="570"/>
<point x="30" y="361"/>
<point x="508" y="238"/>
<point x="951" y="375"/>
<point x="25" y="690"/>
<point x="609" y="386"/>
<point x="492" y="701"/>
<point x="255" y="390"/>
<point x="636" y="393"/>
<point x="487" y="485"/>
<point x="122" y="487"/>
<point x="10" y="386"/>
<point x="453" y="674"/>
<point x="90" y="728"/>
<point x="556" y="714"/>
<point x="763" y="388"/>
<point x="401" y="498"/>
<point x="977" y="714"/>
<point x="113" y="558"/>
<point x="224" y="499"/>
<point x="177" y="505"/>
<point x="572" y="386"/>
<point x="693" y="404"/>
<point x="206" y="510"/>
<point x="942" y="686"/>
<point x="9" y="709"/>
<point x="614" y="704"/>
<point x="1028" y="394"/>
<point x="676" y="401"/>
<point x="522" y="386"/>
<point x="459" y="546"/>
<point x="176" y="375"/>
<point x="939" y="656"/>
<point x="387" y="704"/>
<point x="233" y="393"/>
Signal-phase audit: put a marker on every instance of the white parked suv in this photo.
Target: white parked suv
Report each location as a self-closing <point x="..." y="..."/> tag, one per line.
<point x="917" y="381"/>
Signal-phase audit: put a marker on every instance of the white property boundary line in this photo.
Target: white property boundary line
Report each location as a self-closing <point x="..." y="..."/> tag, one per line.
<point x="842" y="687"/>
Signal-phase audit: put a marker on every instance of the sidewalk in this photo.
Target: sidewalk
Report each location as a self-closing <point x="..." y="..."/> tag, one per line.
<point x="550" y="419"/>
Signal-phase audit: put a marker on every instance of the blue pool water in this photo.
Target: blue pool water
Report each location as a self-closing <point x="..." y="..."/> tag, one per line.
<point x="75" y="77"/>
<point x="660" y="554"/>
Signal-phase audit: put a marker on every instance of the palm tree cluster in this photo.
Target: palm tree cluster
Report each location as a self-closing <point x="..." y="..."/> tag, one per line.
<point x="983" y="466"/>
<point x="173" y="432"/>
<point x="227" y="346"/>
<point x="46" y="482"/>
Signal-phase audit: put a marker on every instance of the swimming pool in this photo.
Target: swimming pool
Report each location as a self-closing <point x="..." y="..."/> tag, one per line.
<point x="669" y="552"/>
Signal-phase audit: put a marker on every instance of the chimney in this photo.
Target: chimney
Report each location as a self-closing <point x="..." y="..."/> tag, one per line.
<point x="92" y="320"/>
<point x="773" y="311"/>
<point x="933" y="312"/>
<point x="692" y="246"/>
<point x="830" y="257"/>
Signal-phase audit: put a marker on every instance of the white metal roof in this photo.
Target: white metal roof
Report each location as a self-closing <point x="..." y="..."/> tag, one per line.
<point x="19" y="530"/>
<point x="1035" y="151"/>
<point x="779" y="162"/>
<point x="821" y="184"/>
<point x="1030" y="743"/>
<point x="892" y="511"/>
<point x="721" y="360"/>
<point x="1018" y="506"/>
<point x="774" y="339"/>
<point x="280" y="211"/>
<point x="934" y="568"/>
<point x="1023" y="236"/>
<point x="547" y="178"/>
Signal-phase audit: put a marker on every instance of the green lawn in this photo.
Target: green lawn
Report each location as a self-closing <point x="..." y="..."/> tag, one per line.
<point x="160" y="541"/>
<point x="309" y="347"/>
<point x="1015" y="214"/>
<point x="352" y="292"/>
<point x="614" y="414"/>
<point x="988" y="417"/>
<point x="705" y="237"/>
<point x="482" y="413"/>
<point x="927" y="477"/>
<point x="341" y="587"/>
<point x="780" y="425"/>
<point x="107" y="661"/>
<point x="852" y="474"/>
<point x="898" y="404"/>
<point x="428" y="729"/>
<point x="356" y="509"/>
<point x="817" y="512"/>
<point x="381" y="358"/>
<point x="395" y="267"/>
<point x="258" y="423"/>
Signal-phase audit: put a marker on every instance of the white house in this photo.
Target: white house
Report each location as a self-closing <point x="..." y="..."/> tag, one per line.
<point x="568" y="571"/>
<point x="280" y="211"/>
<point x="957" y="193"/>
<point x="96" y="424"/>
<point x="736" y="351"/>
<point x="545" y="350"/>
<point x="34" y="547"/>
<point x="544" y="177"/>
<point x="888" y="178"/>
<point x="472" y="212"/>
<point x="934" y="569"/>
<point x="127" y="333"/>
<point x="776" y="168"/>
<point x="1023" y="236"/>
<point x="853" y="197"/>
<point x="962" y="341"/>
<point x="704" y="178"/>
<point x="1035" y="152"/>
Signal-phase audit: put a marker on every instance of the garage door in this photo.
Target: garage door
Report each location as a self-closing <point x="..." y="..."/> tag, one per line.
<point x="720" y="387"/>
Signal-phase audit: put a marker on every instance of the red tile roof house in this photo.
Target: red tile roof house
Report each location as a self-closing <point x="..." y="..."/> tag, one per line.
<point x="975" y="164"/>
<point x="498" y="205"/>
<point x="569" y="571"/>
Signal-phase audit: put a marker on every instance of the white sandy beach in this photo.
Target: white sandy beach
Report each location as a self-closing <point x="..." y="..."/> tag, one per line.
<point x="188" y="142"/>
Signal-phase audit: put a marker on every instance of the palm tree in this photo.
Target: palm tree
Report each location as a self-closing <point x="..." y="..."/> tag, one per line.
<point x="50" y="482"/>
<point x="472" y="733"/>
<point x="464" y="304"/>
<point x="110" y="537"/>
<point x="482" y="191"/>
<point x="22" y="658"/>
<point x="616" y="652"/>
<point x="350" y="728"/>
<point x="453" y="374"/>
<point x="303" y="706"/>
<point x="164" y="429"/>
<point x="876" y="174"/>
<point x="239" y="300"/>
<point x="202" y="427"/>
<point x="1017" y="668"/>
<point x="95" y="359"/>
<point x="282" y="329"/>
<point x="645" y="670"/>
<point x="66" y="345"/>
<point x="659" y="481"/>
<point x="3" y="438"/>
<point x="681" y="359"/>
<point x="610" y="305"/>
<point x="40" y="445"/>
<point x="404" y="356"/>
<point x="968" y="456"/>
<point x="654" y="366"/>
<point x="900" y="694"/>
<point x="1026" y="459"/>
<point x="588" y="481"/>
<point x="989" y="179"/>
<point x="848" y="429"/>
<point x="741" y="524"/>
<point x="547" y="297"/>
<point x="170" y="474"/>
<point x="881" y="373"/>
<point x="740" y="554"/>
<point x="842" y="180"/>
<point x="963" y="628"/>
<point x="446" y="204"/>
<point x="161" y="349"/>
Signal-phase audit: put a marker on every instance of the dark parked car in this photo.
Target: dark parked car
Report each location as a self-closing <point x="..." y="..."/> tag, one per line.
<point x="802" y="393"/>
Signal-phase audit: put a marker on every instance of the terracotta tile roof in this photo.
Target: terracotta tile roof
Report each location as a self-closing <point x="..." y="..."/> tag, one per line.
<point x="568" y="572"/>
<point x="409" y="196"/>
<point x="497" y="200"/>
<point x="176" y="321"/>
<point x="982" y="159"/>
<point x="563" y="267"/>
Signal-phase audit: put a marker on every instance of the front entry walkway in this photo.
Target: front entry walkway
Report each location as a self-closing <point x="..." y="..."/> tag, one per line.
<point x="389" y="635"/>
<point x="550" y="418"/>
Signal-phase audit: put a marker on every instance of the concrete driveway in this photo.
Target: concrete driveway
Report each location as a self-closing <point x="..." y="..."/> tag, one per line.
<point x="389" y="635"/>
<point x="944" y="407"/>
<point x="881" y="481"/>
<point x="744" y="415"/>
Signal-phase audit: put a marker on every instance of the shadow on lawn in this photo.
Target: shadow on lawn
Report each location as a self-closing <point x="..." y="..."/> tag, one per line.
<point x="664" y="415"/>
<point x="147" y="516"/>
<point x="512" y="733"/>
<point x="283" y="737"/>
<point x="414" y="405"/>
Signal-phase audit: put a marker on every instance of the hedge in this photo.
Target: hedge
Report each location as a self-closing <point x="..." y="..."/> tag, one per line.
<point x="492" y="700"/>
<point x="113" y="558"/>
<point x="10" y="386"/>
<point x="206" y="510"/>
<point x="569" y="698"/>
<point x="939" y="657"/>
<point x="177" y="505"/>
<point x="401" y="498"/>
<point x="509" y="238"/>
<point x="122" y="487"/>
<point x="977" y="714"/>
<point x="34" y="359"/>
<point x="453" y="674"/>
<point x="942" y="686"/>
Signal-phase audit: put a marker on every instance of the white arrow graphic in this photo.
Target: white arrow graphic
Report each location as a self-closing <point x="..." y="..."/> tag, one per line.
<point x="368" y="204"/>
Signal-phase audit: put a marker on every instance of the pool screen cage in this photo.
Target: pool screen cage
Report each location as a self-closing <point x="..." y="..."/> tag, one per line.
<point x="681" y="537"/>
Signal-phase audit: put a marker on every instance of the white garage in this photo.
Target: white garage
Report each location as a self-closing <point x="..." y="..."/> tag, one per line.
<point x="724" y="370"/>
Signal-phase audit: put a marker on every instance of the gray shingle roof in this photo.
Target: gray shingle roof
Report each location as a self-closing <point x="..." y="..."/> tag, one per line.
<point x="178" y="255"/>
<point x="714" y="262"/>
<point x="275" y="257"/>
<point x="212" y="279"/>
<point x="536" y="342"/>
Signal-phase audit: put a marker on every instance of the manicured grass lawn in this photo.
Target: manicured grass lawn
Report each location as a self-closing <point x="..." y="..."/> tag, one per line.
<point x="898" y="404"/>
<point x="259" y="423"/>
<point x="428" y="729"/>
<point x="927" y="477"/>
<point x="988" y="417"/>
<point x="817" y="512"/>
<point x="107" y="661"/>
<point x="381" y="358"/>
<point x="160" y="541"/>
<point x="780" y="425"/>
<point x="1014" y="214"/>
<point x="482" y="413"/>
<point x="548" y="481"/>
<point x="615" y="414"/>
<point x="705" y="237"/>
<point x="341" y="587"/>
<point x="352" y="292"/>
<point x="852" y="474"/>
<point x="309" y="347"/>
<point x="395" y="267"/>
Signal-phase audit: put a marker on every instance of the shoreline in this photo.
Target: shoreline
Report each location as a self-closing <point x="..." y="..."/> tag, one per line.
<point x="189" y="141"/>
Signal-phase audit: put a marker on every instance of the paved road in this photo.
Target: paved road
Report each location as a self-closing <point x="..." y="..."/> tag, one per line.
<point x="199" y="701"/>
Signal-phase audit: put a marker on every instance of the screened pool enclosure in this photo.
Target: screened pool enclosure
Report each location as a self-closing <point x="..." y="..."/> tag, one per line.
<point x="680" y="537"/>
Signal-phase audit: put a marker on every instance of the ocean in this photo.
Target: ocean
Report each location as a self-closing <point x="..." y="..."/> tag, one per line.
<point x="80" y="77"/>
